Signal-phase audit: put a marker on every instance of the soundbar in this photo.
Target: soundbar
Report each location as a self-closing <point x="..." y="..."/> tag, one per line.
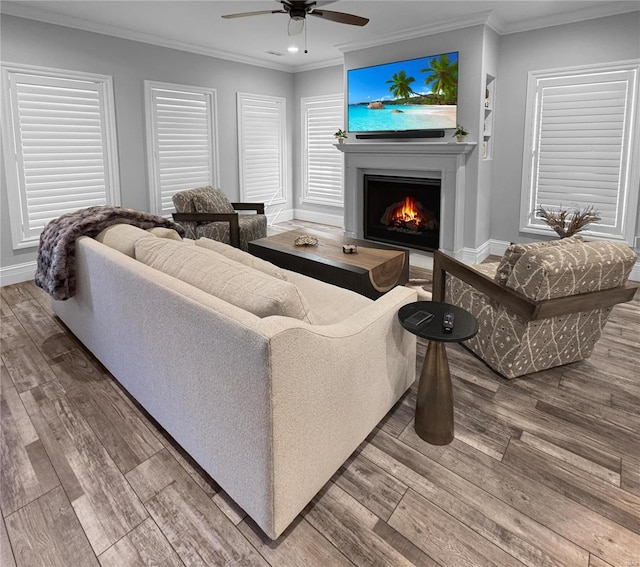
<point x="401" y="134"/>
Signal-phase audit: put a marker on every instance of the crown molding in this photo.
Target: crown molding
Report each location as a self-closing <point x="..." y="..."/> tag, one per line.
<point x="318" y="65"/>
<point x="600" y="11"/>
<point x="487" y="18"/>
<point x="30" y="13"/>
<point x="480" y="18"/>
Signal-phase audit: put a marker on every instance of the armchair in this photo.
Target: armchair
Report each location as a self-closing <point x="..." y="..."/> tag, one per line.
<point x="542" y="305"/>
<point x="206" y="212"/>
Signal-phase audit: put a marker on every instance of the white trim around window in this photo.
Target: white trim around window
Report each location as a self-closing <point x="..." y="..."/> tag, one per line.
<point x="59" y="145"/>
<point x="322" y="163"/>
<point x="262" y="144"/>
<point x="182" y="141"/>
<point x="581" y="136"/>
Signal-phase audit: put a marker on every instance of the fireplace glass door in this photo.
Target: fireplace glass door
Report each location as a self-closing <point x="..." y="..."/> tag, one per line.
<point x="402" y="210"/>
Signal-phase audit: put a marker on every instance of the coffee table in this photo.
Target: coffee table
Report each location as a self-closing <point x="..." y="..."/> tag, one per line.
<point x="372" y="271"/>
<point x="434" y="406"/>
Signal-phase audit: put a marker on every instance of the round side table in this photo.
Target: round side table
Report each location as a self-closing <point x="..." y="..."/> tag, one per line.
<point x="434" y="408"/>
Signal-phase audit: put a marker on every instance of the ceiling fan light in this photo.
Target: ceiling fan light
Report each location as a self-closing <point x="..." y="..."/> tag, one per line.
<point x="296" y="25"/>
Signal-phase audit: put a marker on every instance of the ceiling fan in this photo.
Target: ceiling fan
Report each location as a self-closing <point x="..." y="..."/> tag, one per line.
<point x="298" y="11"/>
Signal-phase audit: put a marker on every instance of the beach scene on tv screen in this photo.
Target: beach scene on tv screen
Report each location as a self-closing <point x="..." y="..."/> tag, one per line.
<point x="417" y="94"/>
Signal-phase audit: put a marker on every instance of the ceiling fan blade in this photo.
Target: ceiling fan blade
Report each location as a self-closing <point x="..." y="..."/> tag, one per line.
<point x="340" y="17"/>
<point x="260" y="13"/>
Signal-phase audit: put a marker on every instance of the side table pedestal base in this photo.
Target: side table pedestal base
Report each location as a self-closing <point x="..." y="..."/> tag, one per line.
<point x="434" y="408"/>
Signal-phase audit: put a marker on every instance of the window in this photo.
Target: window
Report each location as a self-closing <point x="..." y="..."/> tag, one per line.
<point x="181" y="141"/>
<point x="579" y="140"/>
<point x="262" y="144"/>
<point x="322" y="164"/>
<point x="59" y="143"/>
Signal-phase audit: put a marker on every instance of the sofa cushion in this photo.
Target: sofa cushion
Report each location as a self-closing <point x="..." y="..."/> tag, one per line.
<point x="570" y="270"/>
<point x="210" y="200"/>
<point x="240" y="285"/>
<point x="515" y="252"/>
<point x="241" y="256"/>
<point x="123" y="237"/>
<point x="162" y="232"/>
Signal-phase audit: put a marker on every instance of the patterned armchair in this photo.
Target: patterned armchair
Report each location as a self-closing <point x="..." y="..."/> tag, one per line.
<point x="206" y="212"/>
<point x="543" y="305"/>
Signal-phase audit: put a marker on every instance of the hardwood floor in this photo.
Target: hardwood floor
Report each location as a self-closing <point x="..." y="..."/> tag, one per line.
<point x="543" y="471"/>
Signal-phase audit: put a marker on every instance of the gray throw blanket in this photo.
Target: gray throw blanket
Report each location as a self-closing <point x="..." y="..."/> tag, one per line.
<point x="57" y="251"/>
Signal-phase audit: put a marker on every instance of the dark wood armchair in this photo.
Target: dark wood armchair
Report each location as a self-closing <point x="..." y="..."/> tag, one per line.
<point x="206" y="212"/>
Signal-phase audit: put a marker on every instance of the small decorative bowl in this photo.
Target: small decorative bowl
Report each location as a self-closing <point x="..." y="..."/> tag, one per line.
<point x="306" y="240"/>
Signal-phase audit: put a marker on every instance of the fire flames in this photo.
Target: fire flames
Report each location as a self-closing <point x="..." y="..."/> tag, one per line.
<point x="406" y="213"/>
<point x="409" y="215"/>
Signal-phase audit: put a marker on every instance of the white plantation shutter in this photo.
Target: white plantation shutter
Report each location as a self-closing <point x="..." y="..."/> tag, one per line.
<point x="579" y="144"/>
<point x="59" y="146"/>
<point x="262" y="145"/>
<point x="181" y="141"/>
<point x="322" y="164"/>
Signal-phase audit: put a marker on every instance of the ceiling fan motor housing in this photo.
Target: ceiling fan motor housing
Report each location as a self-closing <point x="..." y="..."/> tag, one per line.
<point x="297" y="14"/>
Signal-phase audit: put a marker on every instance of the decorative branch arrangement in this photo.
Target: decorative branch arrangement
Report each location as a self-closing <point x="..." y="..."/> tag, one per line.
<point x="567" y="223"/>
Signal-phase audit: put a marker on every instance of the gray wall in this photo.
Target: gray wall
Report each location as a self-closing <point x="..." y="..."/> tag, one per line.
<point x="326" y="81"/>
<point x="130" y="63"/>
<point x="490" y="48"/>
<point x="493" y="186"/>
<point x="469" y="43"/>
<point x="608" y="39"/>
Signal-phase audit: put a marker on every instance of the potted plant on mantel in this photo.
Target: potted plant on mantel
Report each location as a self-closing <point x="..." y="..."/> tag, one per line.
<point x="460" y="133"/>
<point x="341" y="136"/>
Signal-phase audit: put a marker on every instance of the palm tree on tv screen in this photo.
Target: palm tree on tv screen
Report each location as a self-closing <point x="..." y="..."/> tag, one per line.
<point x="443" y="78"/>
<point x="400" y="85"/>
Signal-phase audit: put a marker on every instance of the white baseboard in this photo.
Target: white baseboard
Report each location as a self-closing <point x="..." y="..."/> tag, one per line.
<point x="278" y="215"/>
<point x="324" y="218"/>
<point x="476" y="255"/>
<point x="17" y="273"/>
<point x="635" y="272"/>
<point x="498" y="247"/>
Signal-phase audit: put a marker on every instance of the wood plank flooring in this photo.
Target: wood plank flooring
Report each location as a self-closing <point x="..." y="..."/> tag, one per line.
<point x="543" y="471"/>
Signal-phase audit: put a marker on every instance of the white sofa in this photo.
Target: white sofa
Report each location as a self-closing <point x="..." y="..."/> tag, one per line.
<point x="269" y="406"/>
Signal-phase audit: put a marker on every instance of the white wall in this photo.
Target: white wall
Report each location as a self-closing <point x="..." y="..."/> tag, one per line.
<point x="608" y="39"/>
<point x="130" y="63"/>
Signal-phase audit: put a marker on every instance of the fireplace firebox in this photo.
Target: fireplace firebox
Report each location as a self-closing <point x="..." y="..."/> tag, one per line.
<point x="402" y="210"/>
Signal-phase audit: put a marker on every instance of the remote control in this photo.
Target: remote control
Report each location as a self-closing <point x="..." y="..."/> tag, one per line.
<point x="447" y="322"/>
<point x="418" y="319"/>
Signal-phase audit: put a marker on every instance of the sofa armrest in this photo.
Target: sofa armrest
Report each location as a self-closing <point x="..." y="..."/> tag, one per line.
<point x="519" y="304"/>
<point x="356" y="323"/>
<point x="331" y="385"/>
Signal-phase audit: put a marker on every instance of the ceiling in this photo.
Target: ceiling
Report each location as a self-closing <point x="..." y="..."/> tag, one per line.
<point x="197" y="26"/>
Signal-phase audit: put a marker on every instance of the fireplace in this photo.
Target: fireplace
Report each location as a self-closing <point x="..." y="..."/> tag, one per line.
<point x="435" y="160"/>
<point x="402" y="210"/>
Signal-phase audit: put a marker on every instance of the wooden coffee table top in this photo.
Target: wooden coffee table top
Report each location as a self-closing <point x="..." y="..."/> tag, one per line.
<point x="383" y="266"/>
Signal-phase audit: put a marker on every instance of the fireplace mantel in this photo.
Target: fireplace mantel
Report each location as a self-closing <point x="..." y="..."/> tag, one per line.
<point x="444" y="160"/>
<point x="407" y="148"/>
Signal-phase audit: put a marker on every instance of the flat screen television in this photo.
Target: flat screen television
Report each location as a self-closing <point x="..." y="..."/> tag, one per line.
<point x="411" y="96"/>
